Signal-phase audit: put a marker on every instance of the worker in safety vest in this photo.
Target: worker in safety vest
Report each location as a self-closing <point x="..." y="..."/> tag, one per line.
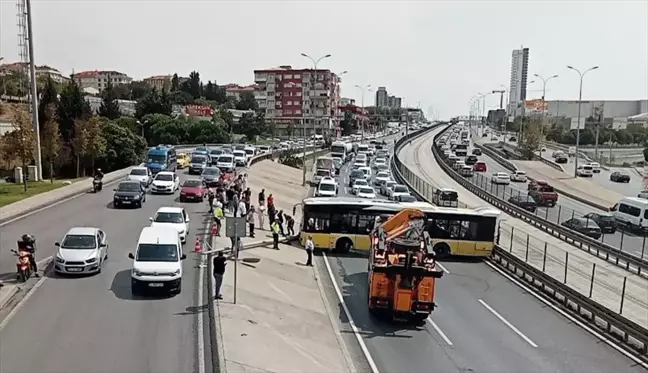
<point x="218" y="216"/>
<point x="275" y="234"/>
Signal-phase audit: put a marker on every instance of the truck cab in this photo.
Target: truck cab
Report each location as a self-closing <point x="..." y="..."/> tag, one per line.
<point x="543" y="193"/>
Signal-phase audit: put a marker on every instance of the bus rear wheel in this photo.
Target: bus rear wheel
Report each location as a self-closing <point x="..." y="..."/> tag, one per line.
<point x="442" y="250"/>
<point x="343" y="245"/>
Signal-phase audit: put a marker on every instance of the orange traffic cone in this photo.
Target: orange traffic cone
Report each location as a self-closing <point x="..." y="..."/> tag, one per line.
<point x="198" y="247"/>
<point x="214" y="230"/>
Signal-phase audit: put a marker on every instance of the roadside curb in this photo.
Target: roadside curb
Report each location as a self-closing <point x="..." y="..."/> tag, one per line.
<point x="8" y="294"/>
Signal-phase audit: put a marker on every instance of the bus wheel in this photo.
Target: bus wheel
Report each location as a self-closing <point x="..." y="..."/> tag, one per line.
<point x="442" y="250"/>
<point x="343" y="245"/>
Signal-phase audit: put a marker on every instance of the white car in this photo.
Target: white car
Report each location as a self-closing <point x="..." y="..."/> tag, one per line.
<point x="379" y="162"/>
<point x="83" y="250"/>
<point x="386" y="187"/>
<point x="157" y="263"/>
<point x="585" y="170"/>
<point x="327" y="187"/>
<point x="165" y="182"/>
<point x="361" y="157"/>
<point x="358" y="164"/>
<point x="250" y="151"/>
<point x="366" y="192"/>
<point x="172" y="217"/>
<point x="240" y="158"/>
<point x="367" y="172"/>
<point x="596" y="167"/>
<point x="643" y="194"/>
<point x="519" y="176"/>
<point x="141" y="174"/>
<point x="501" y="178"/>
<point x="225" y="163"/>
<point x="382" y="177"/>
<point x="359" y="183"/>
<point x="398" y="190"/>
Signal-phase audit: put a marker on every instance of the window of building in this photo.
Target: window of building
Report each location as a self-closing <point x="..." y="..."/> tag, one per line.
<point x="299" y="94"/>
<point x="297" y="76"/>
<point x="288" y="112"/>
<point x="289" y="103"/>
<point x="298" y="111"/>
<point x="288" y="76"/>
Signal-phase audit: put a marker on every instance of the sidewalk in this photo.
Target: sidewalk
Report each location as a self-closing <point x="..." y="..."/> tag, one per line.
<point x="280" y="322"/>
<point x="575" y="188"/>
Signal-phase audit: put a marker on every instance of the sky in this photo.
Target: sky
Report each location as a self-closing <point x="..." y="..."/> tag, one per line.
<point x="436" y="54"/>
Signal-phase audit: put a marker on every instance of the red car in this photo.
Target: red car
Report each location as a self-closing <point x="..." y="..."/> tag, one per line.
<point x="193" y="190"/>
<point x="480" y="167"/>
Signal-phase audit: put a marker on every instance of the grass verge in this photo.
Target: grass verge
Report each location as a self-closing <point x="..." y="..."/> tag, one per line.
<point x="10" y="192"/>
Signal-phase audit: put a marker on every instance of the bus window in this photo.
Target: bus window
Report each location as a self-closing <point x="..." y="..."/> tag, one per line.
<point x="474" y="229"/>
<point x="365" y="223"/>
<point x="344" y="223"/>
<point x="317" y="222"/>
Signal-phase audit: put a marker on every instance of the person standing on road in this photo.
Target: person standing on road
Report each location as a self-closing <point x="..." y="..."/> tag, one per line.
<point x="262" y="198"/>
<point x="250" y="220"/>
<point x="274" y="227"/>
<point x="310" y="246"/>
<point x="290" y="225"/>
<point x="220" y="261"/>
<point x="218" y="216"/>
<point x="261" y="212"/>
<point x="280" y="219"/>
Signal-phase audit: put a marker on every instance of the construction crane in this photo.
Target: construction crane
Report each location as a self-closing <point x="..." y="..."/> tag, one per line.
<point x="402" y="272"/>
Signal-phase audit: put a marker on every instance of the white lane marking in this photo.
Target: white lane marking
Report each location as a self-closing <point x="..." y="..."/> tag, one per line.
<point x="23" y="301"/>
<point x="443" y="268"/>
<point x="569" y="317"/>
<point x="441" y="333"/>
<point x="507" y="323"/>
<point x="356" y="332"/>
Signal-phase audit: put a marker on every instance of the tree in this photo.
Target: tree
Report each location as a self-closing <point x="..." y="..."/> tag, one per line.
<point x="175" y="83"/>
<point x="79" y="142"/>
<point x="122" y="91"/>
<point x="347" y="123"/>
<point x="192" y="86"/>
<point x="139" y="90"/>
<point x="109" y="106"/>
<point x="50" y="138"/>
<point x="123" y="147"/>
<point x="529" y="141"/>
<point x="21" y="140"/>
<point x="153" y="103"/>
<point x="72" y="106"/>
<point x="48" y="97"/>
<point x="95" y="142"/>
<point x="247" y="102"/>
<point x="227" y="117"/>
<point x="210" y="91"/>
<point x="251" y="126"/>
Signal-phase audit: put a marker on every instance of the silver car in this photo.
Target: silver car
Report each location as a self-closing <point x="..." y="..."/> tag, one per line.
<point x="82" y="251"/>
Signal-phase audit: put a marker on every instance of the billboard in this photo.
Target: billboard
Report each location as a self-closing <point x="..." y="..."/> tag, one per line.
<point x="574" y="123"/>
<point x="199" y="110"/>
<point x="536" y="105"/>
<point x="619" y="123"/>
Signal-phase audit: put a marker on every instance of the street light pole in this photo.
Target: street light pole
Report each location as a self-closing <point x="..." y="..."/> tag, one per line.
<point x="580" y="99"/>
<point x="338" y="130"/>
<point x="544" y="92"/>
<point x="314" y="81"/>
<point x="34" y="91"/>
<point x="362" y="93"/>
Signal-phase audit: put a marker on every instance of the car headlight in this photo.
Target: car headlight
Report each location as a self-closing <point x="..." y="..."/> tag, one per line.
<point x="59" y="260"/>
<point x="181" y="231"/>
<point x="91" y="260"/>
<point x="137" y="197"/>
<point x="176" y="272"/>
<point x="138" y="273"/>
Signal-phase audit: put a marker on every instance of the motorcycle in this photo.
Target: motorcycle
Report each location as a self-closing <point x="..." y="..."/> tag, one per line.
<point x="23" y="265"/>
<point x="97" y="184"/>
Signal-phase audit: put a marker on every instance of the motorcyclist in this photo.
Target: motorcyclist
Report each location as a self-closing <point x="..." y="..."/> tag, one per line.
<point x="99" y="174"/>
<point x="28" y="243"/>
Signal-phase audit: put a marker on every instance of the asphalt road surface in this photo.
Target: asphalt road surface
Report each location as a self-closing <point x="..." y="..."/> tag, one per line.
<point x="565" y="209"/>
<point x="483" y="323"/>
<point x="94" y="324"/>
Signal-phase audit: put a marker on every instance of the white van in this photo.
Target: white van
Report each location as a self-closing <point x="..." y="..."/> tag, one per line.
<point x="157" y="262"/>
<point x="632" y="212"/>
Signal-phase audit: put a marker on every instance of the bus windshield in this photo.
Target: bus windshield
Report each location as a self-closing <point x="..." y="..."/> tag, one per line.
<point x="338" y="149"/>
<point x="157" y="158"/>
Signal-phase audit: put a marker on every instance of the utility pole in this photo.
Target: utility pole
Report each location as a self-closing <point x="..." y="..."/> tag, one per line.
<point x="544" y="112"/>
<point x="362" y="114"/>
<point x="580" y="100"/>
<point x="314" y="81"/>
<point x="34" y="91"/>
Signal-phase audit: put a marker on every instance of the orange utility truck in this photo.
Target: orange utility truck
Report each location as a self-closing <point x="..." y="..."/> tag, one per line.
<point x="402" y="272"/>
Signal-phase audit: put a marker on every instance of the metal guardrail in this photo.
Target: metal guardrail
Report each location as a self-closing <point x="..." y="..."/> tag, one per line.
<point x="633" y="336"/>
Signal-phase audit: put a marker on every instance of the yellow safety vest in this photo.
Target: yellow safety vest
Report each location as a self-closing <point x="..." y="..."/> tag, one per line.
<point x="218" y="212"/>
<point x="275" y="227"/>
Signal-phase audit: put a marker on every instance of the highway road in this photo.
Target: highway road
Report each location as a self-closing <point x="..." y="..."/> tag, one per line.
<point x="94" y="324"/>
<point x="484" y="323"/>
<point x="564" y="210"/>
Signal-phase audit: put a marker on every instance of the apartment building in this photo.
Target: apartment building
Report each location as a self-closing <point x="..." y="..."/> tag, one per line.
<point x="159" y="82"/>
<point x="235" y="90"/>
<point x="384" y="99"/>
<point x="41" y="71"/>
<point x="304" y="100"/>
<point x="518" y="85"/>
<point x="99" y="79"/>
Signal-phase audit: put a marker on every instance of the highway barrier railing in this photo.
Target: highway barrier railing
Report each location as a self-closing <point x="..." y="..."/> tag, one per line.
<point x="551" y="277"/>
<point x="624" y="248"/>
<point x="34" y="203"/>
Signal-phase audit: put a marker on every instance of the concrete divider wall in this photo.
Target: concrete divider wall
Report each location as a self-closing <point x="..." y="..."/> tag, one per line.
<point x="631" y="335"/>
